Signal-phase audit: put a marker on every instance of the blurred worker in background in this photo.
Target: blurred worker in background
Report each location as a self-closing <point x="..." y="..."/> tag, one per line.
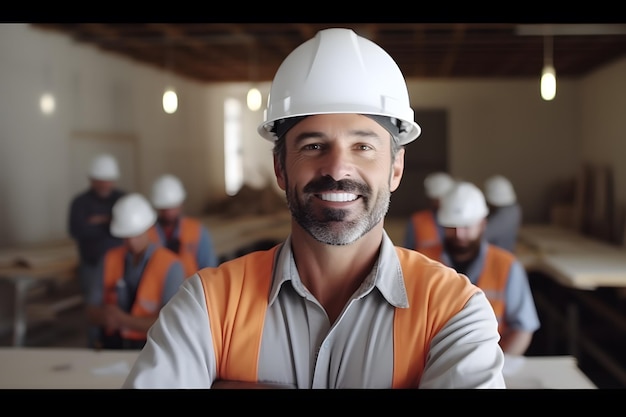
<point x="134" y="281"/>
<point x="423" y="233"/>
<point x="90" y="218"/>
<point x="505" y="214"/>
<point x="184" y="235"/>
<point x="463" y="213"/>
<point x="335" y="305"/>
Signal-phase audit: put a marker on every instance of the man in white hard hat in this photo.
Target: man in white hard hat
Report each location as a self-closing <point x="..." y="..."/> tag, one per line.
<point x="335" y="305"/>
<point x="463" y="213"/>
<point x="89" y="220"/>
<point x="182" y="234"/>
<point x="134" y="281"/>
<point x="423" y="232"/>
<point x="505" y="213"/>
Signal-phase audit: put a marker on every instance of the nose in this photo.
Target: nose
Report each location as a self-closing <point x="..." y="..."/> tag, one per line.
<point x="461" y="233"/>
<point x="337" y="163"/>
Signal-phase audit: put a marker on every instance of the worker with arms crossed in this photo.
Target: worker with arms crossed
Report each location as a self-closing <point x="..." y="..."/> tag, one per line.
<point x="336" y="305"/>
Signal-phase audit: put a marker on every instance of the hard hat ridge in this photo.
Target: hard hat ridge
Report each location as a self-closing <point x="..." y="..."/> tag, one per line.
<point x="339" y="71"/>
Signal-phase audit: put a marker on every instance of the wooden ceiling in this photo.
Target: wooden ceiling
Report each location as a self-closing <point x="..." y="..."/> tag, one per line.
<point x="225" y="52"/>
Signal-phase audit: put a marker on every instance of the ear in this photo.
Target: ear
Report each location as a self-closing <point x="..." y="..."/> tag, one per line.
<point x="397" y="169"/>
<point x="280" y="173"/>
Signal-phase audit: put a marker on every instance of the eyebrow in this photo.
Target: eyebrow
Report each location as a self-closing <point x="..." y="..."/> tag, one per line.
<point x="363" y="133"/>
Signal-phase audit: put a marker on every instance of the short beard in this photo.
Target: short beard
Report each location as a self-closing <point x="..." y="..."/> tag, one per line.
<point x="330" y="227"/>
<point x="461" y="254"/>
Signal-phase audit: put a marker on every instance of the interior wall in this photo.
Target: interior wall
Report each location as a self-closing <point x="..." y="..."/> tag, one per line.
<point x="493" y="126"/>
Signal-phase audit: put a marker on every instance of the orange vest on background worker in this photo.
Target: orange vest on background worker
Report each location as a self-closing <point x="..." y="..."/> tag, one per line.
<point x="237" y="313"/>
<point x="493" y="279"/>
<point x="150" y="290"/>
<point x="427" y="239"/>
<point x="189" y="239"/>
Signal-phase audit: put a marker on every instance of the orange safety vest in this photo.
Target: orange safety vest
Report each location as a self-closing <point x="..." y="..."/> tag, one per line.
<point x="189" y="238"/>
<point x="150" y="290"/>
<point x="493" y="279"/>
<point x="237" y="296"/>
<point x="427" y="240"/>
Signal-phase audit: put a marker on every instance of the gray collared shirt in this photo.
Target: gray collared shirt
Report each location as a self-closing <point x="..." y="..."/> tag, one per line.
<point x="301" y="348"/>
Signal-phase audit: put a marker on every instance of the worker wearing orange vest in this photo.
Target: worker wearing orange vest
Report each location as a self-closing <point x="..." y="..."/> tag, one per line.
<point x="423" y="232"/>
<point x="463" y="213"/>
<point x="186" y="236"/>
<point x="335" y="305"/>
<point x="135" y="280"/>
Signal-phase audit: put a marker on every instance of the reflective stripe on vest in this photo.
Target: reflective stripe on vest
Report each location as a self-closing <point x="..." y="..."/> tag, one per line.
<point x="237" y="314"/>
<point x="427" y="240"/>
<point x="493" y="279"/>
<point x="150" y="290"/>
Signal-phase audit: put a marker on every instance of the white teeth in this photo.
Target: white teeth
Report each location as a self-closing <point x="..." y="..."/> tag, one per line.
<point x="338" y="197"/>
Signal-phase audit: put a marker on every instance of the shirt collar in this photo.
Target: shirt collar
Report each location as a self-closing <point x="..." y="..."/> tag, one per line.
<point x="386" y="275"/>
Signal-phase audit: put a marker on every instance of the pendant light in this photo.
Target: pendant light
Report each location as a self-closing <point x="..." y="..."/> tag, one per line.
<point x="254" y="99"/>
<point x="548" y="74"/>
<point x="47" y="102"/>
<point x="170" y="98"/>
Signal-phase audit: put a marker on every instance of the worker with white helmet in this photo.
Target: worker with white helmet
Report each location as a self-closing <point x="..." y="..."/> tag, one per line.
<point x="336" y="305"/>
<point x="134" y="281"/>
<point x="89" y="220"/>
<point x="423" y="233"/>
<point x="505" y="213"/>
<point x="463" y="213"/>
<point x="186" y="236"/>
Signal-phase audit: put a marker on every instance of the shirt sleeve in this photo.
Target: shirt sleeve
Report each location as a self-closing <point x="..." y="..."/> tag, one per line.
<point x="178" y="353"/>
<point x="521" y="312"/>
<point x="466" y="353"/>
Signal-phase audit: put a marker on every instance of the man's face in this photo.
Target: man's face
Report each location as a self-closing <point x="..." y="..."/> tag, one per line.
<point x="338" y="175"/>
<point x="102" y="188"/>
<point x="137" y="244"/>
<point x="169" y="216"/>
<point x="463" y="243"/>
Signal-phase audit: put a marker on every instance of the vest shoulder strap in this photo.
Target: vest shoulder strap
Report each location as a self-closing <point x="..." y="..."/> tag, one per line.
<point x="237" y="313"/>
<point x="436" y="293"/>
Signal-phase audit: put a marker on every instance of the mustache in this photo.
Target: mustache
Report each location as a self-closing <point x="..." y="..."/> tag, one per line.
<point x="327" y="183"/>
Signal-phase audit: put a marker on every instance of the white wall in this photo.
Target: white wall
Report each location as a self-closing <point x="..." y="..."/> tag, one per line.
<point x="494" y="126"/>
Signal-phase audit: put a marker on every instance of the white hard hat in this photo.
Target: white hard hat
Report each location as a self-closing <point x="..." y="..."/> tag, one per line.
<point x="437" y="184"/>
<point x="464" y="205"/>
<point x="339" y="72"/>
<point x="499" y="191"/>
<point x="132" y="216"/>
<point x="167" y="192"/>
<point x="104" y="167"/>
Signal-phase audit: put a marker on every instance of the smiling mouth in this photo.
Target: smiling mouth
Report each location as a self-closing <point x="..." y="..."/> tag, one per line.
<point x="338" y="197"/>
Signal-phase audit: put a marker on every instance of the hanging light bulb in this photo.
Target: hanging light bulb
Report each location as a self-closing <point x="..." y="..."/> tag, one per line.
<point x="254" y="99"/>
<point x="47" y="104"/>
<point x="548" y="83"/>
<point x="170" y="101"/>
<point x="548" y="74"/>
